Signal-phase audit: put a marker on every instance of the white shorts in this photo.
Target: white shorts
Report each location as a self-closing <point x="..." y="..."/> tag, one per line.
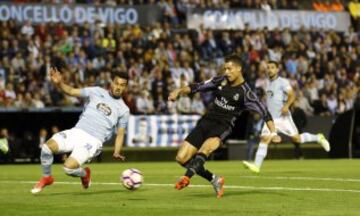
<point x="284" y="125"/>
<point x="83" y="146"/>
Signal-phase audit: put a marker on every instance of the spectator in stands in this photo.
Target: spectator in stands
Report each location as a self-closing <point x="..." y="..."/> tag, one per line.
<point x="354" y="8"/>
<point x="27" y="29"/>
<point x="332" y="103"/>
<point x="144" y="103"/>
<point x="341" y="105"/>
<point x="328" y="59"/>
<point x="321" y="106"/>
<point x="337" y="6"/>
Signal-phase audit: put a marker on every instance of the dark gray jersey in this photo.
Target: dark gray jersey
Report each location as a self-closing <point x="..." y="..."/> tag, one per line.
<point x="230" y="101"/>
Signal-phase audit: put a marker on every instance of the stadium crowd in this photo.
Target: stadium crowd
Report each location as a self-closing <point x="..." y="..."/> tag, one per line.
<point x="323" y="67"/>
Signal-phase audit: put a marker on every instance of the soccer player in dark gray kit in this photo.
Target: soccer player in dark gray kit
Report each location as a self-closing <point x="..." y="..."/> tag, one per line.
<point x="232" y="96"/>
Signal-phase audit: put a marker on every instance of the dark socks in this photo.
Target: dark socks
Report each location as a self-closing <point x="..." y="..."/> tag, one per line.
<point x="196" y="166"/>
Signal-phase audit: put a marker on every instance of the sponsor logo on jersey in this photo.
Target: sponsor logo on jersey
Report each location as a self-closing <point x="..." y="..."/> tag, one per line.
<point x="102" y="107"/>
<point x="223" y="103"/>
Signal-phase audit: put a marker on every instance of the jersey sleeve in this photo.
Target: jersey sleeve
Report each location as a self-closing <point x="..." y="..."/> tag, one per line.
<point x="123" y="121"/>
<point x="89" y="91"/>
<point x="253" y="103"/>
<point x="208" y="85"/>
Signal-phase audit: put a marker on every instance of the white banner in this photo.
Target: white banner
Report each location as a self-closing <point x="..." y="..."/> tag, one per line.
<point x="236" y="19"/>
<point x="159" y="130"/>
<point x="77" y="13"/>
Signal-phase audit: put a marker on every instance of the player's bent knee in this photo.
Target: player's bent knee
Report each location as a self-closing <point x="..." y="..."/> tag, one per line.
<point x="265" y="139"/>
<point x="71" y="163"/>
<point x="296" y="138"/>
<point x="181" y="159"/>
<point x="52" y="145"/>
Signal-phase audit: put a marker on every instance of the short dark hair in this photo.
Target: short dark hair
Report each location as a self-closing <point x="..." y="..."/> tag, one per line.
<point x="234" y="58"/>
<point x="122" y="75"/>
<point x="274" y="62"/>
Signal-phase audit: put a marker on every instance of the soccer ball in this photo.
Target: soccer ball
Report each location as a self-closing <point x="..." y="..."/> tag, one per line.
<point x="132" y="178"/>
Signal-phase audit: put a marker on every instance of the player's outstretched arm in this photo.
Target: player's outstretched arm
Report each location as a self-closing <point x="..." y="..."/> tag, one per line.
<point x="118" y="144"/>
<point x="56" y="78"/>
<point x="253" y="103"/>
<point x="207" y="85"/>
<point x="175" y="93"/>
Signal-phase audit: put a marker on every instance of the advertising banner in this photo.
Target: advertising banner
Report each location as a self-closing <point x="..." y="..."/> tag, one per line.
<point x="159" y="130"/>
<point x="294" y="20"/>
<point x="79" y="14"/>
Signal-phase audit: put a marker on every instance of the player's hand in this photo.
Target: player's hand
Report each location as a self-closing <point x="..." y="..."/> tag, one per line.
<point x="118" y="156"/>
<point x="285" y="110"/>
<point x="55" y="76"/>
<point x="276" y="139"/>
<point x="173" y="95"/>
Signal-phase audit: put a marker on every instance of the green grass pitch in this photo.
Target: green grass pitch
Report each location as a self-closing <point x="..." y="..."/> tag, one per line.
<point x="285" y="187"/>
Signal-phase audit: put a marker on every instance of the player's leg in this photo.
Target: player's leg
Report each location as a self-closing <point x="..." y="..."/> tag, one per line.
<point x="261" y="151"/>
<point x="85" y="149"/>
<point x="289" y="128"/>
<point x="196" y="166"/>
<point x="72" y="167"/>
<point x="197" y="163"/>
<point x="308" y="137"/>
<point x="260" y="155"/>
<point x="185" y="153"/>
<point x="184" y="157"/>
<point x="209" y="146"/>
<point x="48" y="150"/>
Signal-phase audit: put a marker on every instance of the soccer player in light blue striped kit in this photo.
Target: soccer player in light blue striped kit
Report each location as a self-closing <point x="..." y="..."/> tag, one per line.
<point x="104" y="114"/>
<point x="280" y="96"/>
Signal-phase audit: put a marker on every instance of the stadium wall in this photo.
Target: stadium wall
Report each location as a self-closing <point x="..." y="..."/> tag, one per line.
<point x="24" y="126"/>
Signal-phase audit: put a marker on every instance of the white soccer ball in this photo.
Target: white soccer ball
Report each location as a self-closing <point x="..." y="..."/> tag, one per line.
<point x="132" y="178"/>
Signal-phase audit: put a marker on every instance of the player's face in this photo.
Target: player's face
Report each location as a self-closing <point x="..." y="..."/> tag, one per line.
<point x="272" y="70"/>
<point x="118" y="86"/>
<point x="232" y="71"/>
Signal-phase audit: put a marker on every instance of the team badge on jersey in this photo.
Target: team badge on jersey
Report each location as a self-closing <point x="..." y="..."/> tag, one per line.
<point x="236" y="96"/>
<point x="104" y="108"/>
<point x="222" y="84"/>
<point x="269" y="93"/>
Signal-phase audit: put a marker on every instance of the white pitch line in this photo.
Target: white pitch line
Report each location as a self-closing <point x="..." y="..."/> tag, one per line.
<point x="302" y="178"/>
<point x="203" y="186"/>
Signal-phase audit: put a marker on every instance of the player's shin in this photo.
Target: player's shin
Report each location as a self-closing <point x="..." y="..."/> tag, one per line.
<point x="308" y="137"/>
<point x="78" y="172"/>
<point x="261" y="154"/>
<point x="46" y="158"/>
<point x="197" y="166"/>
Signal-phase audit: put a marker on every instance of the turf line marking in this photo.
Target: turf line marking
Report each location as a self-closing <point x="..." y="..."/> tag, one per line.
<point x="202" y="186"/>
<point x="302" y="178"/>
